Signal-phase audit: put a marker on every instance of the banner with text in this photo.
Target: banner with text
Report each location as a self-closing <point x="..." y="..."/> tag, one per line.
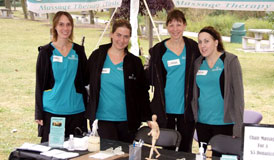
<point x="52" y="6"/>
<point x="244" y="5"/>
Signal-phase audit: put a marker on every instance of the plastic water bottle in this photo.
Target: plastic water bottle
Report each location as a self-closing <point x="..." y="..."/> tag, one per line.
<point x="71" y="143"/>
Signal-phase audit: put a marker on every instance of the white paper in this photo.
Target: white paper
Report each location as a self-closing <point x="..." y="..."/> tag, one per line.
<point x="51" y="153"/>
<point x="60" y="154"/>
<point x="108" y="153"/>
<point x="34" y="147"/>
<point x="102" y="155"/>
<point x="66" y="155"/>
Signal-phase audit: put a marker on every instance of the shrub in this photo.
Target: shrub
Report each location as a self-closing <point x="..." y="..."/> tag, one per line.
<point x="257" y="24"/>
<point x="223" y="23"/>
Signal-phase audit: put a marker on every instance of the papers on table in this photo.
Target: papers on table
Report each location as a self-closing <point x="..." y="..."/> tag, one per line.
<point x="102" y="155"/>
<point x="108" y="153"/>
<point x="34" y="147"/>
<point x="60" y="154"/>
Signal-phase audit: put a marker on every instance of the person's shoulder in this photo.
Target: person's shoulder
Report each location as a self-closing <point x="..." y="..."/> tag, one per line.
<point x="102" y="49"/>
<point x="45" y="47"/>
<point x="77" y="45"/>
<point x="158" y="48"/>
<point x="229" y="55"/>
<point x="190" y="41"/>
<point x="160" y="45"/>
<point x="46" y="50"/>
<point x="79" y="49"/>
<point x="133" y="57"/>
<point x="95" y="53"/>
<point x="199" y="59"/>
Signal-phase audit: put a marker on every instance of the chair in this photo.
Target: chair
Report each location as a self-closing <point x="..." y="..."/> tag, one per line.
<point x="224" y="144"/>
<point x="167" y="138"/>
<point x="251" y="117"/>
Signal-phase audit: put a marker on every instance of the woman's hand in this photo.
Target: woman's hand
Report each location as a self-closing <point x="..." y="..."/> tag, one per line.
<point x="40" y="122"/>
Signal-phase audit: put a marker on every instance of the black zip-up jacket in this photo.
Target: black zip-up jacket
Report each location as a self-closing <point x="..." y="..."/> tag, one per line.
<point x="157" y="78"/>
<point x="136" y="87"/>
<point x="45" y="78"/>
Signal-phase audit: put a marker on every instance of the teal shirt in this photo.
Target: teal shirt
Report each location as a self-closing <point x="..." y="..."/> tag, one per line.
<point x="211" y="102"/>
<point x="175" y="81"/>
<point x="112" y="100"/>
<point x="63" y="99"/>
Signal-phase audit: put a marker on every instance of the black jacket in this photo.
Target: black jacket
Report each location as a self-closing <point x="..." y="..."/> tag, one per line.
<point x="45" y="79"/>
<point x="157" y="78"/>
<point x="136" y="87"/>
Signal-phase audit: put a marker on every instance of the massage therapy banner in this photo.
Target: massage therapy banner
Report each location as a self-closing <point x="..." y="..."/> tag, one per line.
<point x="52" y="6"/>
<point x="243" y="5"/>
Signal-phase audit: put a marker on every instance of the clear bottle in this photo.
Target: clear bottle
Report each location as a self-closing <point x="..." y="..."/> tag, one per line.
<point x="94" y="143"/>
<point x="71" y="143"/>
<point x="201" y="155"/>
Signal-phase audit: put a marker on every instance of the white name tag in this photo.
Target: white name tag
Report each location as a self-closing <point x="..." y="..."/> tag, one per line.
<point x="174" y="62"/>
<point x="202" y="72"/>
<point x="105" y="70"/>
<point x="57" y="59"/>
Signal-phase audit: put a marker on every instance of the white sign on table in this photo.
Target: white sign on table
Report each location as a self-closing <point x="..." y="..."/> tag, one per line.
<point x="258" y="142"/>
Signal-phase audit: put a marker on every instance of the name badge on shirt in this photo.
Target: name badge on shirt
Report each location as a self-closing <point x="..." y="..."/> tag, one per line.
<point x="174" y="62"/>
<point x="57" y="59"/>
<point x="105" y="70"/>
<point x="202" y="72"/>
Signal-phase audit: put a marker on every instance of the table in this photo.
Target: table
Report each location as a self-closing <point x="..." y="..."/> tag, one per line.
<point x="258" y="37"/>
<point x="6" y="13"/>
<point x="105" y="144"/>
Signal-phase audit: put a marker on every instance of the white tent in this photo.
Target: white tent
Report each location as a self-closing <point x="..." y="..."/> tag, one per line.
<point x="52" y="6"/>
<point x="244" y="5"/>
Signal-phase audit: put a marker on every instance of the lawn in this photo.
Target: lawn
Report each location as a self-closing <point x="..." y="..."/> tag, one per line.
<point x="18" y="53"/>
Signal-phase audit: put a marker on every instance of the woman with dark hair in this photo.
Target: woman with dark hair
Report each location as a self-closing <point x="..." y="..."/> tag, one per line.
<point x="218" y="96"/>
<point x="118" y="90"/>
<point x="60" y="88"/>
<point x="171" y="73"/>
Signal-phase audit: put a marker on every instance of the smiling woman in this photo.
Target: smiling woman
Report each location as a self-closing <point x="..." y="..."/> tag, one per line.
<point x="60" y="88"/>
<point x="218" y="96"/>
<point x="171" y="66"/>
<point x="119" y="93"/>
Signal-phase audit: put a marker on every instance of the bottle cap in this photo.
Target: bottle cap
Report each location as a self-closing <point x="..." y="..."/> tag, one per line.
<point x="71" y="136"/>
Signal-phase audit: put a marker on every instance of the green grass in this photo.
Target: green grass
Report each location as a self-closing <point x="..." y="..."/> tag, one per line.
<point x="18" y="53"/>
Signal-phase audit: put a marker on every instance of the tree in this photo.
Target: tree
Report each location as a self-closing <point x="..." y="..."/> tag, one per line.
<point x="154" y="7"/>
<point x="8" y="4"/>
<point x="91" y="17"/>
<point x="270" y="18"/>
<point x="24" y="7"/>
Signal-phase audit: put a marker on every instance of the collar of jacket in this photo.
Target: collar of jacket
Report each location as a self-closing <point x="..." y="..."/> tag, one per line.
<point x="50" y="48"/>
<point x="105" y="47"/>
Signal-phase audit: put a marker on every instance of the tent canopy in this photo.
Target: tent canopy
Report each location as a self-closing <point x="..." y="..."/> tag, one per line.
<point x="244" y="5"/>
<point x="52" y="6"/>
